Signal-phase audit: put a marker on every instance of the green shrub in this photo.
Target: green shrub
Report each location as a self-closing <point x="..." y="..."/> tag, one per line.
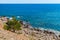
<point x="13" y="25"/>
<point x="17" y="26"/>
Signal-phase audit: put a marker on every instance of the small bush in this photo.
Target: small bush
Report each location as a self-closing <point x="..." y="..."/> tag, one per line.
<point x="13" y="25"/>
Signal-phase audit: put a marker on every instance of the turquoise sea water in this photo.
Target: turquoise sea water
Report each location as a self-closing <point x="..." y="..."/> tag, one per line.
<point x="39" y="15"/>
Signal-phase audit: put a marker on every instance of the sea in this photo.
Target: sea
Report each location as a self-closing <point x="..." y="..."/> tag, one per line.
<point x="45" y="16"/>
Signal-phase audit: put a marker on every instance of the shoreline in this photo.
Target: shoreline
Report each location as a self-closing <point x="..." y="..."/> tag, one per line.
<point x="29" y="31"/>
<point x="57" y="33"/>
<point x="40" y="28"/>
<point x="51" y="30"/>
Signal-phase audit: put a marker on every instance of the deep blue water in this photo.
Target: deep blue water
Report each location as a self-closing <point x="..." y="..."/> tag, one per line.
<point x="39" y="15"/>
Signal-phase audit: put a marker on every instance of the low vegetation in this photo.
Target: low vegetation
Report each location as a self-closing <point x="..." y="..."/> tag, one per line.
<point x="13" y="25"/>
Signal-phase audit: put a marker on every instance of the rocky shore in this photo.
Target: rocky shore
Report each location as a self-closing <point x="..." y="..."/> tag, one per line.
<point x="27" y="33"/>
